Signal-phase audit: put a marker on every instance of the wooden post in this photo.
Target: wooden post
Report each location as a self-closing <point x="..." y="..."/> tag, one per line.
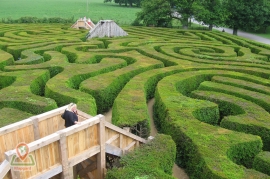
<point x="101" y="161"/>
<point x="137" y="144"/>
<point x="9" y="155"/>
<point x="67" y="171"/>
<point x="121" y="142"/>
<point x="150" y="138"/>
<point x="36" y="128"/>
<point x="75" y="172"/>
<point x="126" y="129"/>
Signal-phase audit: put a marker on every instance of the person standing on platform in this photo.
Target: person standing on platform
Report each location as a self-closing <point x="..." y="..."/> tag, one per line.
<point x="71" y="115"/>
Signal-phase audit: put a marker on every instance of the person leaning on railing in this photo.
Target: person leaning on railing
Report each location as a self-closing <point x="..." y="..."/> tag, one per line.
<point x="70" y="115"/>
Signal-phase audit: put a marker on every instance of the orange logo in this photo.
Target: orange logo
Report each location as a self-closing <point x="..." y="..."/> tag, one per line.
<point x="22" y="151"/>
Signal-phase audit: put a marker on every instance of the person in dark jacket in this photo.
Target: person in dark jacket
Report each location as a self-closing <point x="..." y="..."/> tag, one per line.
<point x="71" y="115"/>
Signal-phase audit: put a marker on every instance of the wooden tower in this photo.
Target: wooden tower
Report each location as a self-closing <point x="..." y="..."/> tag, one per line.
<point x="56" y="152"/>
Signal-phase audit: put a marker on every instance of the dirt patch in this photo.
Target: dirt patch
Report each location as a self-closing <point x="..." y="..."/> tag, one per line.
<point x="177" y="171"/>
<point x="150" y="111"/>
<point x="108" y="116"/>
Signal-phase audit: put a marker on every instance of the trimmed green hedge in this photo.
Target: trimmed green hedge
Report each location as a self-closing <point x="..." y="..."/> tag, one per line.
<point x="151" y="85"/>
<point x="147" y="33"/>
<point x="17" y="50"/>
<point x="63" y="87"/>
<point x="6" y="59"/>
<point x="20" y="86"/>
<point x="106" y="90"/>
<point x="255" y="97"/>
<point x="204" y="36"/>
<point x="244" y="59"/>
<point x="240" y="115"/>
<point x="80" y="54"/>
<point x="17" y="115"/>
<point x="261" y="86"/>
<point x="255" y="47"/>
<point x="219" y="38"/>
<point x="55" y="63"/>
<point x="127" y="115"/>
<point x="6" y="80"/>
<point x="137" y="91"/>
<point x="201" y="147"/>
<point x="29" y="57"/>
<point x="262" y="162"/>
<point x="152" y="160"/>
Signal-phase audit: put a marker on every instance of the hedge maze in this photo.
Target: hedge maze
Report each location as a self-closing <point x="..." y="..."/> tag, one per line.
<point x="211" y="89"/>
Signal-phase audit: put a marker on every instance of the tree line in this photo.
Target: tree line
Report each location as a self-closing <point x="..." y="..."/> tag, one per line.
<point x="235" y="14"/>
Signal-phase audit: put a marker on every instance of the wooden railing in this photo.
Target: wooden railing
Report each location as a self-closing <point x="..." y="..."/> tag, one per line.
<point x="32" y="129"/>
<point x="4" y="169"/>
<point x="58" y="151"/>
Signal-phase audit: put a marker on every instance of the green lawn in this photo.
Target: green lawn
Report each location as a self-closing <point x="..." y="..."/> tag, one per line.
<point x="264" y="34"/>
<point x="261" y="32"/>
<point x="96" y="10"/>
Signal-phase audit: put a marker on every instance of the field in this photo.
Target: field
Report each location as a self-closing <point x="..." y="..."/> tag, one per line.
<point x="97" y="10"/>
<point x="211" y="89"/>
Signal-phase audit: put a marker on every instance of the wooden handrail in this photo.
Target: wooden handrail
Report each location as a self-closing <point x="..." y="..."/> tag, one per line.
<point x="4" y="168"/>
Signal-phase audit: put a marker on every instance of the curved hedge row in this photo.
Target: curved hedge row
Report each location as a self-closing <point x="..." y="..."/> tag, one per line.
<point x="201" y="145"/>
<point x="258" y="98"/>
<point x="5" y="60"/>
<point x="105" y="91"/>
<point x="25" y="84"/>
<point x="262" y="162"/>
<point x="67" y="83"/>
<point x="240" y="115"/>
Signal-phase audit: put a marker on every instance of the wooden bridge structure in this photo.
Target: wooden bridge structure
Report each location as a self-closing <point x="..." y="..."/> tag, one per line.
<point x="58" y="152"/>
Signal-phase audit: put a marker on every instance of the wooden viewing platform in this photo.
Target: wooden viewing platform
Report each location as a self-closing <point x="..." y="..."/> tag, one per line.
<point x="83" y="23"/>
<point x="58" y="151"/>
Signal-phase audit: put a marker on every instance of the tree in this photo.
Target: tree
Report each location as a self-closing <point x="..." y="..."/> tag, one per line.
<point x="155" y="13"/>
<point x="186" y="9"/>
<point x="244" y="14"/>
<point x="266" y="16"/>
<point x="210" y="12"/>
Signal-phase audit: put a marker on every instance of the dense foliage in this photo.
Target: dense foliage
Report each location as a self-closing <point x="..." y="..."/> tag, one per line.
<point x="155" y="13"/>
<point x="146" y="161"/>
<point x="210" y="12"/>
<point x="246" y="15"/>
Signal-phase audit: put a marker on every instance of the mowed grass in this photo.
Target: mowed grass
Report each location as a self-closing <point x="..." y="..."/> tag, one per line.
<point x="264" y="34"/>
<point x="97" y="10"/>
